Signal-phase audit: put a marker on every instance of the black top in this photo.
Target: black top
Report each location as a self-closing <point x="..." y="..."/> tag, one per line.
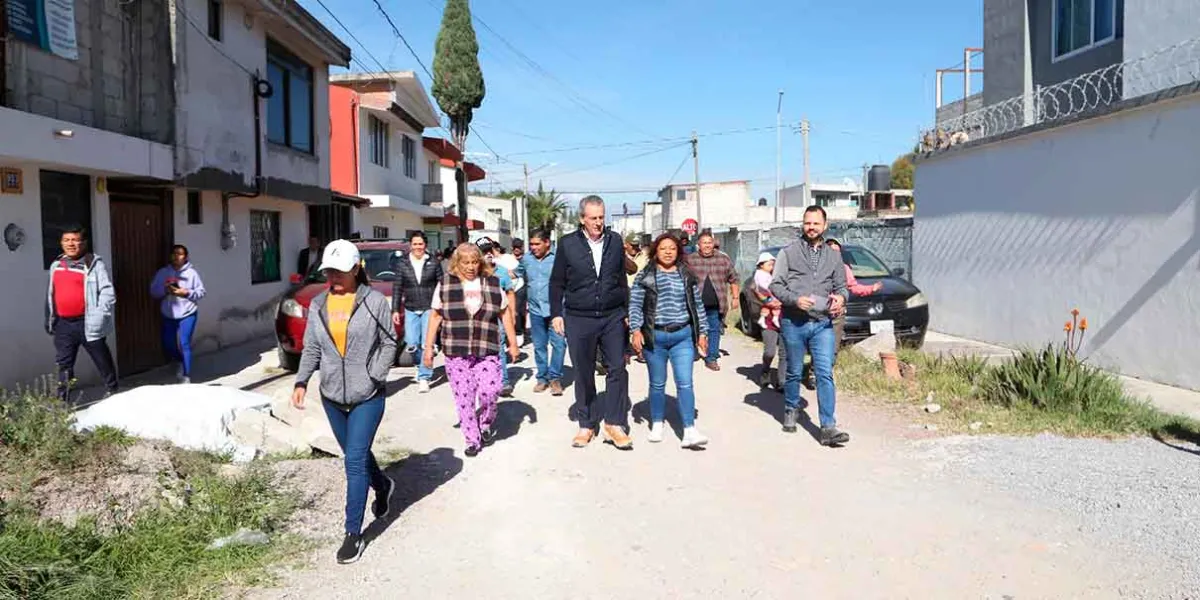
<point x="410" y="295"/>
<point x="574" y="286"/>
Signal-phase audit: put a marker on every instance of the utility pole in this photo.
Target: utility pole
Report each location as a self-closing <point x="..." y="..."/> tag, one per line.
<point x="696" y="166"/>
<point x="524" y="208"/>
<point x="807" y="183"/>
<point x="778" y="156"/>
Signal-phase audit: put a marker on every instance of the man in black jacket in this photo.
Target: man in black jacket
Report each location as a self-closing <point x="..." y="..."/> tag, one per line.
<point x="309" y="256"/>
<point x="588" y="299"/>
<point x="417" y="276"/>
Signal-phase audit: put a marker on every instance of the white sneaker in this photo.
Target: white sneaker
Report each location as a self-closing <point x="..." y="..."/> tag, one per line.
<point x="692" y="438"/>
<point x="762" y="322"/>
<point x="656" y="432"/>
<point x="423" y="387"/>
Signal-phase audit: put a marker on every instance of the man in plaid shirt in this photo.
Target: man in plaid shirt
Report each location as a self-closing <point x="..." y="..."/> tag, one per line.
<point x="718" y="288"/>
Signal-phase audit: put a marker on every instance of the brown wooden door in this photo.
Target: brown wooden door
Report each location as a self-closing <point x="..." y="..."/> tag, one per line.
<point x="139" y="250"/>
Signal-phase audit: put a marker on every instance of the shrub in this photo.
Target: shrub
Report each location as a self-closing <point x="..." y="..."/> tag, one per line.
<point x="37" y="427"/>
<point x="1051" y="379"/>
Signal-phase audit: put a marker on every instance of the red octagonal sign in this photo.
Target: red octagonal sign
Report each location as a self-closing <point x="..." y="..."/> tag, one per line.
<point x="690" y="226"/>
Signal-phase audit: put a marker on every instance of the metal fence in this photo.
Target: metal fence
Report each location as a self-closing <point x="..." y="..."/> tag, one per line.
<point x="1160" y="70"/>
<point x="889" y="239"/>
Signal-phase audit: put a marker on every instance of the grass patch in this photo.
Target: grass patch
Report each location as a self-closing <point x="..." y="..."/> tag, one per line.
<point x="1044" y="390"/>
<point x="159" y="552"/>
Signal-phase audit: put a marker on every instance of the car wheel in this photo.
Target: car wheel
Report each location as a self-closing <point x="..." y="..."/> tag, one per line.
<point x="913" y="343"/>
<point x="287" y="360"/>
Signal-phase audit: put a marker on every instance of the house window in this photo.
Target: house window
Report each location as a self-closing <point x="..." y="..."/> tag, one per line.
<point x="215" y="14"/>
<point x="264" y="246"/>
<point x="290" y="107"/>
<point x="66" y="201"/>
<point x="1081" y="24"/>
<point x="435" y="174"/>
<point x="379" y="232"/>
<point x="195" y="213"/>
<point x="409" y="148"/>
<point x="378" y="140"/>
<point x="681" y="194"/>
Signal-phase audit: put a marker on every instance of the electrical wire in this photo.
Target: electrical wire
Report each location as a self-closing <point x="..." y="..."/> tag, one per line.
<point x="613" y="162"/>
<point x="641" y="142"/>
<point x="396" y="32"/>
<point x="204" y="34"/>
<point x="678" y="169"/>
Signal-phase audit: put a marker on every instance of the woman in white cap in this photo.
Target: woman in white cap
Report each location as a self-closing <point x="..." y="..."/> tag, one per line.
<point x="768" y="318"/>
<point x="347" y="339"/>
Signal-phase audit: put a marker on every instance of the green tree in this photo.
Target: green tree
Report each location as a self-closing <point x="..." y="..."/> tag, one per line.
<point x="546" y="208"/>
<point x="902" y="173"/>
<point x="458" y="83"/>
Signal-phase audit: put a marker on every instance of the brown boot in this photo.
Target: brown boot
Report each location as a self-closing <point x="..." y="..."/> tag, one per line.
<point x="540" y="387"/>
<point x="583" y="437"/>
<point x="616" y="434"/>
<point x="556" y="388"/>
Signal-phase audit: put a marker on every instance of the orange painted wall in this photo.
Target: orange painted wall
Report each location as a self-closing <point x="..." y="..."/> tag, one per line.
<point x="343" y="140"/>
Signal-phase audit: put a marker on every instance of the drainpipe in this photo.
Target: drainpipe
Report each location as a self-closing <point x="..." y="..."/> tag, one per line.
<point x="261" y="90"/>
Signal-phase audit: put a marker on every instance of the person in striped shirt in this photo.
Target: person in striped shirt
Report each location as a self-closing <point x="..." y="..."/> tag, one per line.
<point x="668" y="328"/>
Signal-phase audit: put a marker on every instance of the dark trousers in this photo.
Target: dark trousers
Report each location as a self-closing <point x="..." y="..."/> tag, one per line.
<point x="584" y="336"/>
<point x="522" y="310"/>
<point x="68" y="337"/>
<point x="354" y="428"/>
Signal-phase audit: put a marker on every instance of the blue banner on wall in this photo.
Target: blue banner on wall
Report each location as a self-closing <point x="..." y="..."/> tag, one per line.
<point x="47" y="24"/>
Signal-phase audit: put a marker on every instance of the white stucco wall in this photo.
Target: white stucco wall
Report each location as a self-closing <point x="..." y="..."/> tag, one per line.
<point x="215" y="110"/>
<point x="398" y="222"/>
<point x="1103" y="215"/>
<point x="22" y="305"/>
<point x="1151" y="26"/>
<point x="391" y="180"/>
<point x="722" y="203"/>
<point x="236" y="311"/>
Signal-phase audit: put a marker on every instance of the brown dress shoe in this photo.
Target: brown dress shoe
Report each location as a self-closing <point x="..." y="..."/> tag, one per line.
<point x="540" y="387"/>
<point x="618" y="437"/>
<point x="556" y="388"/>
<point x="583" y="438"/>
<point x="713" y="366"/>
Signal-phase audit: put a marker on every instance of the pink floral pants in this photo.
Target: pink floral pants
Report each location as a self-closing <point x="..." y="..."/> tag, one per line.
<point x="474" y="378"/>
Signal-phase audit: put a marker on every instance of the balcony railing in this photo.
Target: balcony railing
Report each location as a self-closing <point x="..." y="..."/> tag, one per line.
<point x="1157" y="71"/>
<point x="431" y="194"/>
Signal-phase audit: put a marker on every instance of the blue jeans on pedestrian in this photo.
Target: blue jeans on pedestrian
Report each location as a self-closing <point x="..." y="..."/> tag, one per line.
<point x="678" y="349"/>
<point x="714" y="334"/>
<point x="416" y="324"/>
<point x="542" y="333"/>
<point x="503" y="355"/>
<point x="355" y="427"/>
<point x="177" y="341"/>
<point x="815" y="336"/>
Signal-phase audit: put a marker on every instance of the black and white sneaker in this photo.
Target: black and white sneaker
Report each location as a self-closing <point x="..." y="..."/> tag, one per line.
<point x="833" y="437"/>
<point x="488" y="436"/>
<point x="351" y="550"/>
<point x="382" y="505"/>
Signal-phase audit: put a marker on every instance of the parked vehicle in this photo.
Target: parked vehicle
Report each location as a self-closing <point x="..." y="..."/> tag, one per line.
<point x="379" y="257"/>
<point x="899" y="303"/>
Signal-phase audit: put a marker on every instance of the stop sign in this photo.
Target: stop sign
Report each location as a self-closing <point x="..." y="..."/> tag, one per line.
<point x="690" y="226"/>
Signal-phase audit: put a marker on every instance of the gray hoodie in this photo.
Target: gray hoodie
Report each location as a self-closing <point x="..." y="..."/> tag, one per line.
<point x="795" y="276"/>
<point x="98" y="294"/>
<point x="370" y="349"/>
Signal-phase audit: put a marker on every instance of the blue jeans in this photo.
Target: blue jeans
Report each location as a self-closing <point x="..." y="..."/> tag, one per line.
<point x="714" y="334"/>
<point x="177" y="341"/>
<point x="503" y="355"/>
<point x="802" y="336"/>
<point x="542" y="334"/>
<point x="678" y="349"/>
<point x="355" y="427"/>
<point x="416" y="324"/>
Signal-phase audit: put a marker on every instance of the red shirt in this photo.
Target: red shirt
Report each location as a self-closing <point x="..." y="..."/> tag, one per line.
<point x="69" y="302"/>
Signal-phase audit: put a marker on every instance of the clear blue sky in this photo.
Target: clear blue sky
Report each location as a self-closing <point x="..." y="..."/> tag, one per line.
<point x="861" y="71"/>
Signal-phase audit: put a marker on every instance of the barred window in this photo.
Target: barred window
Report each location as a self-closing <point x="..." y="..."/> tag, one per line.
<point x="264" y="246"/>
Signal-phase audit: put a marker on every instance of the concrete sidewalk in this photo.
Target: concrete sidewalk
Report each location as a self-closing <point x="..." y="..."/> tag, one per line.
<point x="1173" y="400"/>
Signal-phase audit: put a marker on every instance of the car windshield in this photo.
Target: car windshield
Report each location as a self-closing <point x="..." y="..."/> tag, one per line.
<point x="862" y="262"/>
<point x="380" y="266"/>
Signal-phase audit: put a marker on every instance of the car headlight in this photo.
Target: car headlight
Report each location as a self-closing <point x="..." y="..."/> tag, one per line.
<point x="915" y="300"/>
<point x="292" y="308"/>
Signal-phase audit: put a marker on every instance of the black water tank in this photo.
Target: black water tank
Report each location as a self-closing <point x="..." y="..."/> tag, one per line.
<point x="879" y="179"/>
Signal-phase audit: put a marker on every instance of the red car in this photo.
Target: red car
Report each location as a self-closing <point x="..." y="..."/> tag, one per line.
<point x="380" y="258"/>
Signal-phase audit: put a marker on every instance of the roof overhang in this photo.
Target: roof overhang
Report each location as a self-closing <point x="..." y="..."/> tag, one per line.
<point x="355" y="201"/>
<point x="295" y="19"/>
<point x="408" y="95"/>
<point x="443" y="148"/>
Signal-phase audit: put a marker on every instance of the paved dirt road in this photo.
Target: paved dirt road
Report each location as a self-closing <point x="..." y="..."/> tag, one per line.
<point x="760" y="514"/>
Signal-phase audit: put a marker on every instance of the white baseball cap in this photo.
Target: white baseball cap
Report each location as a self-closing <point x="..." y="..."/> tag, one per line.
<point x="340" y="255"/>
<point x="764" y="257"/>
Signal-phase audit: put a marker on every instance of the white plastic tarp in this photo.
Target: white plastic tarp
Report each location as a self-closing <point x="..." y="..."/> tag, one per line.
<point x="195" y="417"/>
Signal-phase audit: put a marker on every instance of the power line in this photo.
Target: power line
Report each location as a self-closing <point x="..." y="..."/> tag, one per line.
<point x="678" y="169"/>
<point x="642" y="142"/>
<point x="204" y="35"/>
<point x="612" y="162"/>
<point x="396" y="31"/>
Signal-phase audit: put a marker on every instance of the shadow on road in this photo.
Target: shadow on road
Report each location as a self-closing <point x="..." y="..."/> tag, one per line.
<point x="771" y="402"/>
<point x="1179" y="438"/>
<point x="641" y="413"/>
<point x="416" y="476"/>
<point x="510" y="414"/>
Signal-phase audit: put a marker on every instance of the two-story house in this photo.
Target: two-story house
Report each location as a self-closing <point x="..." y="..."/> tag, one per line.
<point x="382" y="156"/>
<point x="1076" y="188"/>
<point x="150" y="123"/>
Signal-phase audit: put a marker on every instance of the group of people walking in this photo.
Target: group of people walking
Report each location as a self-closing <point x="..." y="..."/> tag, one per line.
<point x="594" y="296"/>
<point x="81" y="307"/>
